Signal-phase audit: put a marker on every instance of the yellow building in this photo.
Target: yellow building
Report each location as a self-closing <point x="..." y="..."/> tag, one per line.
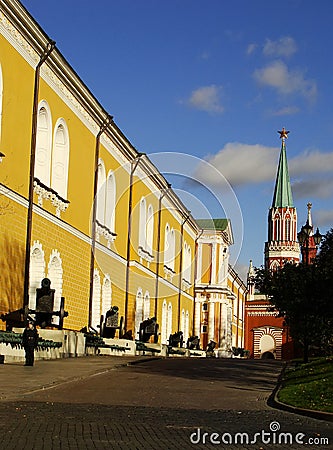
<point x="219" y="292"/>
<point x="78" y="203"/>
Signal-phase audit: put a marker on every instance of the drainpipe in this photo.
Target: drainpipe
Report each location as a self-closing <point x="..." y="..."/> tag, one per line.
<point x="181" y="266"/>
<point x="195" y="277"/>
<point x="46" y="53"/>
<point x="159" y="245"/>
<point x="107" y="121"/>
<point x="134" y="165"/>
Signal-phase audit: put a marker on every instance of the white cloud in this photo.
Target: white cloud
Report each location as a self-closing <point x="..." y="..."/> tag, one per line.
<point x="205" y="55"/>
<point x="314" y="187"/>
<point x="311" y="162"/>
<point x="286" y="111"/>
<point x="207" y="98"/>
<point x="323" y="218"/>
<point x="285" y="46"/>
<point x="285" y="81"/>
<point x="243" y="164"/>
<point x="251" y="49"/>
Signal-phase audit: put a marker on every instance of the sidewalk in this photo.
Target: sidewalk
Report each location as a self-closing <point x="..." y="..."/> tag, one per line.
<point x="16" y="380"/>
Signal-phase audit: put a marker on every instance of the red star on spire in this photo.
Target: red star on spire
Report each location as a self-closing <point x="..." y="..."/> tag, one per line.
<point x="283" y="133"/>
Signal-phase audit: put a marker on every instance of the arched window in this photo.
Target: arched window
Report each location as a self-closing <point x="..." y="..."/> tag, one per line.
<point x="37" y="271"/>
<point x="142" y="224"/>
<point x="1" y="93"/>
<point x="187" y="262"/>
<point x="166" y="328"/>
<point x="146" y="306"/>
<point x="150" y="229"/>
<point x="187" y="326"/>
<point x="169" y="321"/>
<point x="164" y="324"/>
<point x="55" y="275"/>
<point x="274" y="265"/>
<point x="43" y="144"/>
<point x="167" y="245"/>
<point x="96" y="303"/>
<point x="106" y="294"/>
<point x="182" y="322"/>
<point x="172" y="247"/>
<point x="110" y="208"/>
<point x="101" y="194"/>
<point x="60" y="159"/>
<point x="138" y="312"/>
<point x="287" y="233"/>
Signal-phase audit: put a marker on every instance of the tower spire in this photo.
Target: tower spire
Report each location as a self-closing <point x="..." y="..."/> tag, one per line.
<point x="309" y="205"/>
<point x="282" y="242"/>
<point x="282" y="192"/>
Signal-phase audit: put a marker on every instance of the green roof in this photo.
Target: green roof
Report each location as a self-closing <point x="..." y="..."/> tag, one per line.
<point x="282" y="192"/>
<point x="213" y="224"/>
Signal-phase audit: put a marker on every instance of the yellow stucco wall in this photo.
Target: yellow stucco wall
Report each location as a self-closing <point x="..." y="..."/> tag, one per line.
<point x="69" y="235"/>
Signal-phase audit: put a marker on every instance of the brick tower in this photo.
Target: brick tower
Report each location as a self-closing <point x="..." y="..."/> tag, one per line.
<point x="282" y="244"/>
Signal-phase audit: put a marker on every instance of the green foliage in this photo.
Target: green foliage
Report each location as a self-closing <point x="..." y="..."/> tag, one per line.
<point x="303" y="295"/>
<point x="309" y="386"/>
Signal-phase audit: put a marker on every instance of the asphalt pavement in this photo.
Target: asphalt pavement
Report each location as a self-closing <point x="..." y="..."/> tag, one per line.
<point x="149" y="404"/>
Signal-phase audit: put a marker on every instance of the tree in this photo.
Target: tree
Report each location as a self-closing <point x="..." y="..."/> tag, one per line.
<point x="300" y="293"/>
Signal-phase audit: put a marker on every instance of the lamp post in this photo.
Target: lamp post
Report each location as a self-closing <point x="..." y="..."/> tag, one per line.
<point x="304" y="239"/>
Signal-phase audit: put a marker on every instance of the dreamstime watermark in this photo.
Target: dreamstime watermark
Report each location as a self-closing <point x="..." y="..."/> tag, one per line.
<point x="273" y="436"/>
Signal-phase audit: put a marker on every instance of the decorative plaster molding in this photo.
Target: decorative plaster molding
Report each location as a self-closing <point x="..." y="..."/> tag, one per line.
<point x="102" y="230"/>
<point x="169" y="273"/>
<point x="276" y="246"/>
<point x="44" y="192"/>
<point x="18" y="41"/>
<point x="144" y="254"/>
<point x="263" y="313"/>
<point x="186" y="284"/>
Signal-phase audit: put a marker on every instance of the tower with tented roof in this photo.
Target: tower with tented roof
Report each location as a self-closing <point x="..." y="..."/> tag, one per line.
<point x="282" y="244"/>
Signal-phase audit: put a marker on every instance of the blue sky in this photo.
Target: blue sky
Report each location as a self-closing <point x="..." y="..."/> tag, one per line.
<point x="216" y="80"/>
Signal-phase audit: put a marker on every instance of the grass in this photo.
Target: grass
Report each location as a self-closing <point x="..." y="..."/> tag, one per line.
<point x="309" y="386"/>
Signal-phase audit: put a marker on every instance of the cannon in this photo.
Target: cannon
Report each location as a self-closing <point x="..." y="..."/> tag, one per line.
<point x="210" y="349"/>
<point x="148" y="328"/>
<point x="112" y="323"/>
<point x="176" y="339"/>
<point x="43" y="313"/>
<point x="193" y="343"/>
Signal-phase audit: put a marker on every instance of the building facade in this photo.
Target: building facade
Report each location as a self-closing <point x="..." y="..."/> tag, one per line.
<point x="219" y="292"/>
<point x="80" y="205"/>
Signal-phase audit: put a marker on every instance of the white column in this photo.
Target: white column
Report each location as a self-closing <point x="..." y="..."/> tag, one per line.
<point x="197" y="318"/>
<point x="213" y="276"/>
<point x="199" y="263"/>
<point x="211" y="321"/>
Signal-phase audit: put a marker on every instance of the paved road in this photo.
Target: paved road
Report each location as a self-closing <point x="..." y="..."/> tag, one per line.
<point x="159" y="404"/>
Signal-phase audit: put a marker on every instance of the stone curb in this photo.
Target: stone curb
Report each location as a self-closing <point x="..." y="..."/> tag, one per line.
<point x="273" y="402"/>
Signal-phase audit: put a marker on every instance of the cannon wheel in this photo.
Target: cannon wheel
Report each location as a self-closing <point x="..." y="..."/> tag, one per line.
<point x="61" y="313"/>
<point x="156" y="334"/>
<point x="141" y="333"/>
<point x="121" y="327"/>
<point x="101" y="326"/>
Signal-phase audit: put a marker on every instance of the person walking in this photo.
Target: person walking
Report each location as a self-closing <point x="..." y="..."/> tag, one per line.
<point x="29" y="342"/>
